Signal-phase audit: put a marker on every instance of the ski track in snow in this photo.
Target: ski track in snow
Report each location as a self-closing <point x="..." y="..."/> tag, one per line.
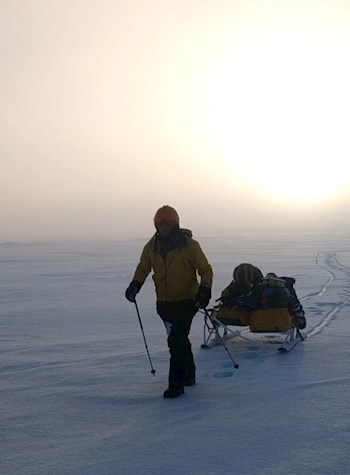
<point x="337" y="271"/>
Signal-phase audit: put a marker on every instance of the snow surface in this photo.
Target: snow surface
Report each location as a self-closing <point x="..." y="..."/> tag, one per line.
<point x="78" y="397"/>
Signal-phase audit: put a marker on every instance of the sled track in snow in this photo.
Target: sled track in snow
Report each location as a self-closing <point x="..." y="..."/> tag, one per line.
<point x="330" y="263"/>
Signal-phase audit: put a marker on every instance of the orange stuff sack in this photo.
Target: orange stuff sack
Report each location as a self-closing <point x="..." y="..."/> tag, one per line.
<point x="273" y="319"/>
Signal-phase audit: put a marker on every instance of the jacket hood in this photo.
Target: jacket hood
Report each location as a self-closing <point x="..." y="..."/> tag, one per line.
<point x="175" y="240"/>
<point x="186" y="232"/>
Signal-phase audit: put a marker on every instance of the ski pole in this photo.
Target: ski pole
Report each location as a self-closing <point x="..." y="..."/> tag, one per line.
<point x="235" y="365"/>
<point x="153" y="371"/>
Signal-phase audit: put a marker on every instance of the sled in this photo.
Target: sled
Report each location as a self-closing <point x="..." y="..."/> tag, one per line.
<point x="222" y="324"/>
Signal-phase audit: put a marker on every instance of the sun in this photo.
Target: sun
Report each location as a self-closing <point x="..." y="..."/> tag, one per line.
<point x="278" y="111"/>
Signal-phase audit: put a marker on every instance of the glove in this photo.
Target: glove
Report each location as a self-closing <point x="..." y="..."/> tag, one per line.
<point x="132" y="290"/>
<point x="202" y="297"/>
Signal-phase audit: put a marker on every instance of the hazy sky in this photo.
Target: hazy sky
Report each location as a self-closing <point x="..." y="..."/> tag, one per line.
<point x="235" y="112"/>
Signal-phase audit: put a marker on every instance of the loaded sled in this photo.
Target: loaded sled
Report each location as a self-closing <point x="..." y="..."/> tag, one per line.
<point x="223" y="324"/>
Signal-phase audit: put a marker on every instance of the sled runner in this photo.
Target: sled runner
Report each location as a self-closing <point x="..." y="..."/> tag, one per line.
<point x="222" y="324"/>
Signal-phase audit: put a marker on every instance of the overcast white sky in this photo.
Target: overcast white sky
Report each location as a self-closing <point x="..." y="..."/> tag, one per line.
<point x="234" y="112"/>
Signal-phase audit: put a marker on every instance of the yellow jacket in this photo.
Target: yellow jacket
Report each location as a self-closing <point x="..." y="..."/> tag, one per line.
<point x="175" y="274"/>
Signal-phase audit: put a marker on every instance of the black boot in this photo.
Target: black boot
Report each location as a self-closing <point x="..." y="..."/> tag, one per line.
<point x="301" y="320"/>
<point x="173" y="391"/>
<point x="190" y="382"/>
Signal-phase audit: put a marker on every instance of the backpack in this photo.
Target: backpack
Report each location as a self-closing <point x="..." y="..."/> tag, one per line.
<point x="272" y="292"/>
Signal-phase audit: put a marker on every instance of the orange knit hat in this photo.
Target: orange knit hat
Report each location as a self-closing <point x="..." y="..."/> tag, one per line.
<point x="166" y="213"/>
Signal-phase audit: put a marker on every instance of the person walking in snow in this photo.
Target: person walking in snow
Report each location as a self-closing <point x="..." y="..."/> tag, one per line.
<point x="175" y="259"/>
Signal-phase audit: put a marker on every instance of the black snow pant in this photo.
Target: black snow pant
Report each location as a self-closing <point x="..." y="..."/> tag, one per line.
<point x="177" y="317"/>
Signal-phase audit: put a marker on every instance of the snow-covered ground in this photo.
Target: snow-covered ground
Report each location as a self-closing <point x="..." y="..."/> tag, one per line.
<point x="78" y="397"/>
